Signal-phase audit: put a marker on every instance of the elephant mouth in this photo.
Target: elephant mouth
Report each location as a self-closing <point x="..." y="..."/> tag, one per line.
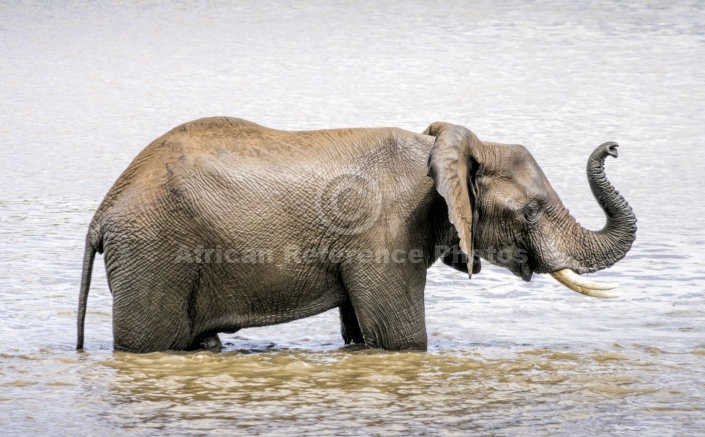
<point x="524" y="271"/>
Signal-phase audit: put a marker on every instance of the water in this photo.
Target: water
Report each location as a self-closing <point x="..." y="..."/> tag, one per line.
<point x="86" y="85"/>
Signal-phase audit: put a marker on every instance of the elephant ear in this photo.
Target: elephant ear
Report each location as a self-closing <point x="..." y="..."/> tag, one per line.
<point x="452" y="164"/>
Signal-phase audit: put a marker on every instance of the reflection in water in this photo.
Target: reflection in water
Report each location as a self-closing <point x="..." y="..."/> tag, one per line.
<point x="86" y="85"/>
<point x="381" y="392"/>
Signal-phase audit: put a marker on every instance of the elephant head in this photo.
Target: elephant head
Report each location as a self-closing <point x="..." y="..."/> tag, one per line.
<point x="505" y="210"/>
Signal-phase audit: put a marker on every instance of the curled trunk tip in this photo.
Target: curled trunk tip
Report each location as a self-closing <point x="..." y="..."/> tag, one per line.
<point x="601" y="249"/>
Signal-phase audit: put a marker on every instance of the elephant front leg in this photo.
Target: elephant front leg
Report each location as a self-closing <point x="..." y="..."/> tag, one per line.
<point x="389" y="304"/>
<point x="349" y="326"/>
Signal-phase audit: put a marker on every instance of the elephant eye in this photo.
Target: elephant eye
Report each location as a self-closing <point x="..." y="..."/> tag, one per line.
<point x="531" y="210"/>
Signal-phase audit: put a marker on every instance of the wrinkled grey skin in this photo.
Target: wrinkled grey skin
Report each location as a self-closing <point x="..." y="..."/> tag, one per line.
<point x="227" y="184"/>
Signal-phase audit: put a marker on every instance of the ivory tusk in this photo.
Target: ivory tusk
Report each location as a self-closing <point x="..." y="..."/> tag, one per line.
<point x="583" y="285"/>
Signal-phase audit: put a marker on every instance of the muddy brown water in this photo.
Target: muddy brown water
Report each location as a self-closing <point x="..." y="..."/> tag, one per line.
<point x="86" y="85"/>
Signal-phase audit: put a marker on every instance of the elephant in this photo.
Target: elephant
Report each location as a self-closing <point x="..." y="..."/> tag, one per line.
<point x="223" y="224"/>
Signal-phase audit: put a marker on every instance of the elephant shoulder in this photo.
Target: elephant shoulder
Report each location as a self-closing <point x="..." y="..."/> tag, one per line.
<point x="409" y="147"/>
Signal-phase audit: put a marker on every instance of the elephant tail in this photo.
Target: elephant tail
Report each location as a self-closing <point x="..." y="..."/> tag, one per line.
<point x="93" y="245"/>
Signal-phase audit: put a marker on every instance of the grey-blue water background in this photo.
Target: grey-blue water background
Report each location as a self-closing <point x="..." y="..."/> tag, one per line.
<point x="84" y="86"/>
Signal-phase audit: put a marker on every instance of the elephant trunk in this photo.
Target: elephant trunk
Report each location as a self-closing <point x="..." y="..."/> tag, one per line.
<point x="596" y="250"/>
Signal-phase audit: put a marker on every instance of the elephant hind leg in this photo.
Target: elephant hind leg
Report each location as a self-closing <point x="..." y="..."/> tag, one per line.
<point x="151" y="304"/>
<point x="349" y="326"/>
<point x="142" y="330"/>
